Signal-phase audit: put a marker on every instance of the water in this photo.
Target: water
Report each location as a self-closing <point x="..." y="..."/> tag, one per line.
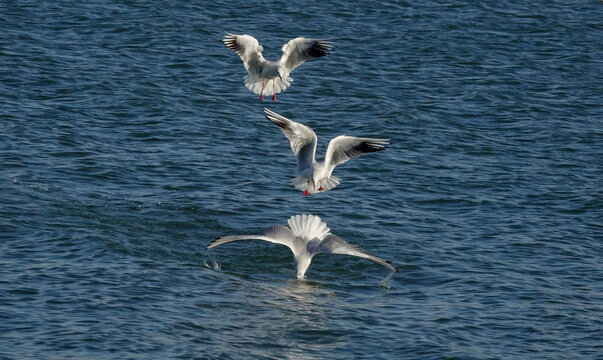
<point x="128" y="143"/>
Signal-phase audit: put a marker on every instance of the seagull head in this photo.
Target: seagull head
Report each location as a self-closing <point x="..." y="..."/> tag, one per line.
<point x="303" y="264"/>
<point x="278" y="73"/>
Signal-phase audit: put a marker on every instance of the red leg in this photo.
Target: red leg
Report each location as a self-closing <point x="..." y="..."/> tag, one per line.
<point x="307" y="193"/>
<point x="321" y="188"/>
<point x="273" y="92"/>
<point x="262" y="93"/>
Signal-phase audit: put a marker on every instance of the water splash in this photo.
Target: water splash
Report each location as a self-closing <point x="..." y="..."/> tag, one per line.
<point x="214" y="263"/>
<point x="384" y="284"/>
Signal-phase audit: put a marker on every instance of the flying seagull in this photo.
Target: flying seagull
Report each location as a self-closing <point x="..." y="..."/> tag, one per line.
<point x="306" y="236"/>
<point x="315" y="176"/>
<point x="267" y="77"/>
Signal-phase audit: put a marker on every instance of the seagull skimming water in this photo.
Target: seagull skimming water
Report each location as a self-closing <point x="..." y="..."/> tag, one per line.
<point x="315" y="176"/>
<point x="271" y="77"/>
<point x="306" y="236"/>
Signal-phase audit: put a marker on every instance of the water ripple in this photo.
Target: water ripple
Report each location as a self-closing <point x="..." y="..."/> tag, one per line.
<point x="129" y="142"/>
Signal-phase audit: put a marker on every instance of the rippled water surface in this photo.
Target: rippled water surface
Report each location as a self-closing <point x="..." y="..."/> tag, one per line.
<point x="128" y="143"/>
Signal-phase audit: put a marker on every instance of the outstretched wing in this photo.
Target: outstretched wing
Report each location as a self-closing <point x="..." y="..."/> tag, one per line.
<point x="248" y="49"/>
<point x="343" y="148"/>
<point x="300" y="50"/>
<point x="276" y="234"/>
<point x="335" y="245"/>
<point x="302" y="138"/>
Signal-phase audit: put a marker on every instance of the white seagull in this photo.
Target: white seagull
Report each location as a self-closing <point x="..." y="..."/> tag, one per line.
<point x="318" y="173"/>
<point x="261" y="71"/>
<point x="306" y="236"/>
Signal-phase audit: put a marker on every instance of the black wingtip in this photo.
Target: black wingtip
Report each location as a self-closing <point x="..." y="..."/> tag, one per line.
<point x="280" y="123"/>
<point x="213" y="241"/>
<point x="231" y="42"/>
<point x="320" y="48"/>
<point x="369" y="146"/>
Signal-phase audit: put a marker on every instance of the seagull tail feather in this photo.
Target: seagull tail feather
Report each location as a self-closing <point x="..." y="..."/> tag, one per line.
<point x="255" y="85"/>
<point x="301" y="182"/>
<point x="308" y="226"/>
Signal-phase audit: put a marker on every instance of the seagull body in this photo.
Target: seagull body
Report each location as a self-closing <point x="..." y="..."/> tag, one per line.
<point x="315" y="176"/>
<point x="306" y="236"/>
<point x="262" y="72"/>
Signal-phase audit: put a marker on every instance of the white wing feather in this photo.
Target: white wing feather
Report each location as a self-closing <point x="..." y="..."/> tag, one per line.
<point x="303" y="139"/>
<point x="248" y="49"/>
<point x="335" y="245"/>
<point x="300" y="50"/>
<point x="277" y="234"/>
<point x="343" y="148"/>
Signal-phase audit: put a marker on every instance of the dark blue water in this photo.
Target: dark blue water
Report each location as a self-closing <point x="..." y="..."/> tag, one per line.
<point x="128" y="142"/>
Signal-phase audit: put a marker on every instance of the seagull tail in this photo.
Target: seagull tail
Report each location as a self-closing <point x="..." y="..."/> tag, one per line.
<point x="329" y="183"/>
<point x="301" y="182"/>
<point x="255" y="85"/>
<point x="308" y="226"/>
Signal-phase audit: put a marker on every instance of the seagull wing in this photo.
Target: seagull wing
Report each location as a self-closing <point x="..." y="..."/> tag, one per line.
<point x="335" y="245"/>
<point x="343" y="148"/>
<point x="302" y="138"/>
<point x="277" y="234"/>
<point x="300" y="50"/>
<point x="248" y="49"/>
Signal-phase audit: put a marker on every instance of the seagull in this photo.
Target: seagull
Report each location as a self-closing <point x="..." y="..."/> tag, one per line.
<point x="306" y="236"/>
<point x="303" y="143"/>
<point x="262" y="72"/>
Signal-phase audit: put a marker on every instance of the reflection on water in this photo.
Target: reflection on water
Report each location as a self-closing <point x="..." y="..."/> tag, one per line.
<point x="302" y="290"/>
<point x="306" y="306"/>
